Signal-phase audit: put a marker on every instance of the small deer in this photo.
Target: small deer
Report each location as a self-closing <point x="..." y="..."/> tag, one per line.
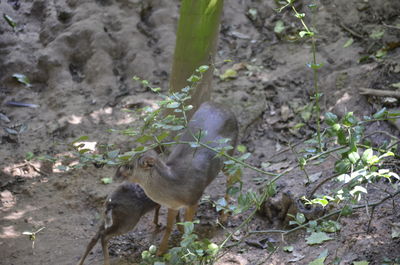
<point x="123" y="209"/>
<point x="181" y="180"/>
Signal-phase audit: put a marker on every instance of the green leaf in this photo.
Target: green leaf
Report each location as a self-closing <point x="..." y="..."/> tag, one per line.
<point x="318" y="261"/>
<point x="343" y="166"/>
<point x="336" y="127"/>
<point x="300" y="218"/>
<point x="349" y="119"/>
<point x="241" y="148"/>
<point x="364" y="262"/>
<point x="203" y="68"/>
<point x="321" y="258"/>
<point x="306" y="33"/>
<point x="113" y="154"/>
<point x="346" y="210"/>
<point x="300" y="15"/>
<point x="173" y="105"/>
<point x="10" y="21"/>
<point x="23" y="79"/>
<point x="317" y="238"/>
<point x="193" y="78"/>
<point x="377" y="34"/>
<point x="29" y="156"/>
<point x="330" y="118"/>
<point x="367" y="156"/>
<point x="155" y="89"/>
<point x="162" y="136"/>
<point x="358" y="189"/>
<point x="106" y="180"/>
<point x="348" y="43"/>
<point x="252" y="13"/>
<point x="80" y="139"/>
<point x="395" y="85"/>
<point x="288" y="248"/>
<point x="229" y="74"/>
<point x="354" y="157"/>
<point x="381" y="53"/>
<point x="144" y="139"/>
<point x="380" y="114"/>
<point x="279" y="27"/>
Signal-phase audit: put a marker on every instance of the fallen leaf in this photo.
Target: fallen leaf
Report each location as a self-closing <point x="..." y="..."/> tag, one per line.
<point x="348" y="43"/>
<point x="317" y="238"/>
<point x="279" y="27"/>
<point x="395" y="230"/>
<point x="288" y="248"/>
<point x="285" y="112"/>
<point x="106" y="180"/>
<point x="229" y="74"/>
<point x="297" y="257"/>
<point x="23" y="79"/>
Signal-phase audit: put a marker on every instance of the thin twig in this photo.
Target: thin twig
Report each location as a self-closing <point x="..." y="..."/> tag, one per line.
<point x="322" y="183"/>
<point x="352" y="32"/>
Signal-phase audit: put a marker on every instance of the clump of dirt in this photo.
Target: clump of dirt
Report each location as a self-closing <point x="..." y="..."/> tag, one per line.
<point x="80" y="56"/>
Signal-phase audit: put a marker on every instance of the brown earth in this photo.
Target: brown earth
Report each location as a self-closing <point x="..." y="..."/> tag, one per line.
<point x="80" y="57"/>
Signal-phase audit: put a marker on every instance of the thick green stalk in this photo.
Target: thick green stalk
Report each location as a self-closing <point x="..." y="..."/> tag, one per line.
<point x="196" y="43"/>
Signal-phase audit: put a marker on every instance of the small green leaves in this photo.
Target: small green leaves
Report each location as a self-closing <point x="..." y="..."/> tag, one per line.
<point x="300" y="15"/>
<point x="330" y="118"/>
<point x="317" y="238"/>
<point x="106" y="180"/>
<point x="10" y="21"/>
<point x="23" y="79"/>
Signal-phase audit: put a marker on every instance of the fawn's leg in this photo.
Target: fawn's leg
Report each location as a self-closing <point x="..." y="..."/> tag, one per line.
<point x="155" y="218"/>
<point x="91" y="244"/>
<point x="104" y="246"/>
<point x="190" y="213"/>
<point x="170" y="224"/>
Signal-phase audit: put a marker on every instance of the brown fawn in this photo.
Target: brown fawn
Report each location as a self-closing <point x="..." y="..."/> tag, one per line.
<point x="181" y="180"/>
<point x="123" y="209"/>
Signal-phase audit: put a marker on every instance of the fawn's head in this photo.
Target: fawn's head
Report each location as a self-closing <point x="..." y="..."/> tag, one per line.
<point x="138" y="168"/>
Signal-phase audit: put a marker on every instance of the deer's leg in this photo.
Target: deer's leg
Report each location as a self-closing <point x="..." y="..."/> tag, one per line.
<point x="170" y="224"/>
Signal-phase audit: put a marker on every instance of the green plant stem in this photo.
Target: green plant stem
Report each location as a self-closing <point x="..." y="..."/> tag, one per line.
<point x="285" y="232"/>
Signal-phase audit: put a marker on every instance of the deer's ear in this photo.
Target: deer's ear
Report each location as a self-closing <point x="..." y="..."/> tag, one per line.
<point x="122" y="171"/>
<point x="147" y="162"/>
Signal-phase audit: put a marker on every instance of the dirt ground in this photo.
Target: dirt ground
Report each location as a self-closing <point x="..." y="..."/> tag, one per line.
<point x="80" y="56"/>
